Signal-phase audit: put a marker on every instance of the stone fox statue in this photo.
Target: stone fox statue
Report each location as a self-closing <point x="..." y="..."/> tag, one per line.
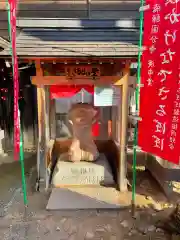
<point x="82" y="116"/>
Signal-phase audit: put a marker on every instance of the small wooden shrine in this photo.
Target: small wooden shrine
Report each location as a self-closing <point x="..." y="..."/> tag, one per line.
<point x="56" y="79"/>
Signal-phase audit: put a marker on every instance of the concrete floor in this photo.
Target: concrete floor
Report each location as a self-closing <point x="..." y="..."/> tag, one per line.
<point x="36" y="223"/>
<point x="19" y="223"/>
<point x="10" y="177"/>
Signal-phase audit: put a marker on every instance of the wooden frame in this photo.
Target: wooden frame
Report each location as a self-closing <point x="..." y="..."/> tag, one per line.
<point x="74" y="59"/>
<point x="124" y="122"/>
<point x="42" y="82"/>
<point x="62" y="80"/>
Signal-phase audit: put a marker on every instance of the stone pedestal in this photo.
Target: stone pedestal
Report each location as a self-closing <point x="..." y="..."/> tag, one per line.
<point x="1" y="142"/>
<point x="164" y="172"/>
<point x="83" y="173"/>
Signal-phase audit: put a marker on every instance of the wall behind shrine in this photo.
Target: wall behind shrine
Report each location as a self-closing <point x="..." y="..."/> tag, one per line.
<point x="126" y="11"/>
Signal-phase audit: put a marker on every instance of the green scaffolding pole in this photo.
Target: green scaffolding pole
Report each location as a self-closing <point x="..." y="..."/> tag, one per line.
<point x="21" y="154"/>
<point x="137" y="95"/>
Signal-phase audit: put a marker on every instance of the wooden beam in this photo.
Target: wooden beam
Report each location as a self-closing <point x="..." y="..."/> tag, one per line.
<point x="123" y="137"/>
<point x="39" y="71"/>
<point x="62" y="80"/>
<point x="124" y="78"/>
<point x="74" y="59"/>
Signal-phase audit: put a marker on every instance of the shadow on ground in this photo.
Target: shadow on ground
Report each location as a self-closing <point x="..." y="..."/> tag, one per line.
<point x="10" y="174"/>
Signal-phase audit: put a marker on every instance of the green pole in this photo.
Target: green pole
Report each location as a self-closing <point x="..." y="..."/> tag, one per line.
<point x="24" y="187"/>
<point x="137" y="94"/>
<point x="21" y="154"/>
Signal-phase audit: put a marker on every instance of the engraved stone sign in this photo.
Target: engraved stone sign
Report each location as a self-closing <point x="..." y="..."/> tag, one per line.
<point x="83" y="173"/>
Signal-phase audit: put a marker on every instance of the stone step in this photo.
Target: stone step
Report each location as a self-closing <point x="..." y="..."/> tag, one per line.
<point x="83" y="173"/>
<point x="74" y="198"/>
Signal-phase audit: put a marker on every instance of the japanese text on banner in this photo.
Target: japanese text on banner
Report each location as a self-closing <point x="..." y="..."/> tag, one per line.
<point x="159" y="130"/>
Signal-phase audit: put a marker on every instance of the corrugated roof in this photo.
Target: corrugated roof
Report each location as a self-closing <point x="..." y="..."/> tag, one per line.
<point x="3" y="43"/>
<point x="78" y="41"/>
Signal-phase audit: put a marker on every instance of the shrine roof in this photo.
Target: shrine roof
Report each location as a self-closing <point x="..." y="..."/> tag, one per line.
<point x="76" y="38"/>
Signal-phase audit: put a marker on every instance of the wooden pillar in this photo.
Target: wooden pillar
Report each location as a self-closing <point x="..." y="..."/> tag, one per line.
<point x="41" y="128"/>
<point x="47" y="114"/>
<point x="46" y="101"/>
<point x="39" y="73"/>
<point x="123" y="132"/>
<point x="110" y="128"/>
<point x="52" y="119"/>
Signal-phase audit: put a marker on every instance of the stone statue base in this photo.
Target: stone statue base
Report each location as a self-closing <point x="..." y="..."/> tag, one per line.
<point x="82" y="173"/>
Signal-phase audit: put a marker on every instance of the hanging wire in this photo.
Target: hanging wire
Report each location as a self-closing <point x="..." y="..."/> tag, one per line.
<point x="21" y="154"/>
<point x="137" y="95"/>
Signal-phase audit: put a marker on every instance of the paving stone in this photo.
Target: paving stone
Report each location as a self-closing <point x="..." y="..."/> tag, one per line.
<point x="158" y="207"/>
<point x="67" y="225"/>
<point x="143" y="228"/>
<point x="113" y="238"/>
<point x="134" y="232"/>
<point x="125" y="223"/>
<point x="123" y="214"/>
<point x="89" y="235"/>
<point x="159" y="230"/>
<point x="151" y="228"/>
<point x="72" y="237"/>
<point x="101" y="227"/>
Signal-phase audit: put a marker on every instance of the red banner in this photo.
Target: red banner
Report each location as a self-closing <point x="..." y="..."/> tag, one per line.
<point x="13" y="5"/>
<point x="159" y="130"/>
<point x="64" y="91"/>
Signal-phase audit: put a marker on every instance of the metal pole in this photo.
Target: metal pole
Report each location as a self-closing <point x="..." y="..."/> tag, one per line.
<point x="21" y="154"/>
<point x="88" y="4"/>
<point x="24" y="187"/>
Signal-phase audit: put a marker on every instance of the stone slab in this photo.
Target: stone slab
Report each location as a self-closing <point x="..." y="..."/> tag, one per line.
<point x="164" y="175"/>
<point x="83" y="173"/>
<point x="84" y="198"/>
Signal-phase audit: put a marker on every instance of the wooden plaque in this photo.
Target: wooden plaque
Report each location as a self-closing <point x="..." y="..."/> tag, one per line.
<point x="83" y="72"/>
